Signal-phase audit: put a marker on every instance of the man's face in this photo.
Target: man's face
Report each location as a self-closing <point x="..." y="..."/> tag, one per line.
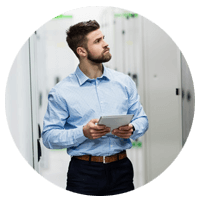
<point x="97" y="48"/>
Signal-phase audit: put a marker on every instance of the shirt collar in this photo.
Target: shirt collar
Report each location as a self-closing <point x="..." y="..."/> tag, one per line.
<point x="82" y="78"/>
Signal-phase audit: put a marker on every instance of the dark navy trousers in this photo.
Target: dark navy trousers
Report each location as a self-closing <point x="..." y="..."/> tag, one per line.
<point x="99" y="179"/>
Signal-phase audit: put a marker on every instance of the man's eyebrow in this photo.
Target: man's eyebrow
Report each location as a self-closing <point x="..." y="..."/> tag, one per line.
<point x="99" y="38"/>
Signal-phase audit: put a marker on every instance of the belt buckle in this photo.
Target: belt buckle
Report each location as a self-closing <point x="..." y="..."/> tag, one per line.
<point x="104" y="159"/>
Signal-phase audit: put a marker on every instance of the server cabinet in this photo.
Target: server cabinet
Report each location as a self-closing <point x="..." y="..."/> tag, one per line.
<point x="163" y="103"/>
<point x="54" y="61"/>
<point x="20" y="104"/>
<point x="128" y="45"/>
<point x="188" y="100"/>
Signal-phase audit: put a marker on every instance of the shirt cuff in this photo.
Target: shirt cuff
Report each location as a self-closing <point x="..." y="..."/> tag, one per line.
<point x="80" y="137"/>
<point x="133" y="136"/>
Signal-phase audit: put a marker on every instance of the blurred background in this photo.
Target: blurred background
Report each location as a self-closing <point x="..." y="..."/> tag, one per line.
<point x="140" y="49"/>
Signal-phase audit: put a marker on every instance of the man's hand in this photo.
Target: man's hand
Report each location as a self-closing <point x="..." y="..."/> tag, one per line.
<point x="93" y="131"/>
<point x="124" y="131"/>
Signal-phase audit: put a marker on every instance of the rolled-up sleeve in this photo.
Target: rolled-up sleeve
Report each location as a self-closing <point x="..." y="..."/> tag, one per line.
<point x="54" y="135"/>
<point x="140" y="120"/>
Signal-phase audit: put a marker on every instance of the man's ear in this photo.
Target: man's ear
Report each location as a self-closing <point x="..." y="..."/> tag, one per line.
<point x="81" y="51"/>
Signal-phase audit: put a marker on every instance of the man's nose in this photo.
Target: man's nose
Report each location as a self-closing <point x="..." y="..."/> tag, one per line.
<point x="105" y="44"/>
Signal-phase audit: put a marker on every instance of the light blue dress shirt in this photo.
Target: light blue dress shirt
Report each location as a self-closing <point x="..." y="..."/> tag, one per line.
<point x="77" y="99"/>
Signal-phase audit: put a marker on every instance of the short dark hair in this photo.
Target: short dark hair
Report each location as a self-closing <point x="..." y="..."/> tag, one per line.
<point x="76" y="34"/>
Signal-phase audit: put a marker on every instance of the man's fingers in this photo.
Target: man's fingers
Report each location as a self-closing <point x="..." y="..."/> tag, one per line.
<point x="98" y="127"/>
<point x="95" y="126"/>
<point x="123" y="131"/>
<point x="98" y="135"/>
<point x="92" y="124"/>
<point x="126" y="128"/>
<point x="94" y="121"/>
<point x="92" y="131"/>
<point x="123" y="135"/>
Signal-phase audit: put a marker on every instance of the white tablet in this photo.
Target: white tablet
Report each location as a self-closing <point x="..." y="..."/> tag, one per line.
<point x="115" y="121"/>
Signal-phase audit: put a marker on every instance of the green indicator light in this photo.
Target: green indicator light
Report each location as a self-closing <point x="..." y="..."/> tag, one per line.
<point x="139" y="144"/>
<point x="135" y="15"/>
<point x="136" y="144"/>
<point x="63" y="16"/>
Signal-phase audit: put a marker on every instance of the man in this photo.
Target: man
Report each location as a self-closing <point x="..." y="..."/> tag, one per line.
<point x="99" y="165"/>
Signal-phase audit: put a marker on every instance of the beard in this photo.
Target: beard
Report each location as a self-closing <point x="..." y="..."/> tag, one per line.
<point x="101" y="59"/>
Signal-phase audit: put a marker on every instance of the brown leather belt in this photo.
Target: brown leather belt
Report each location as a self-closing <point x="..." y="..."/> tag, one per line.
<point x="103" y="159"/>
